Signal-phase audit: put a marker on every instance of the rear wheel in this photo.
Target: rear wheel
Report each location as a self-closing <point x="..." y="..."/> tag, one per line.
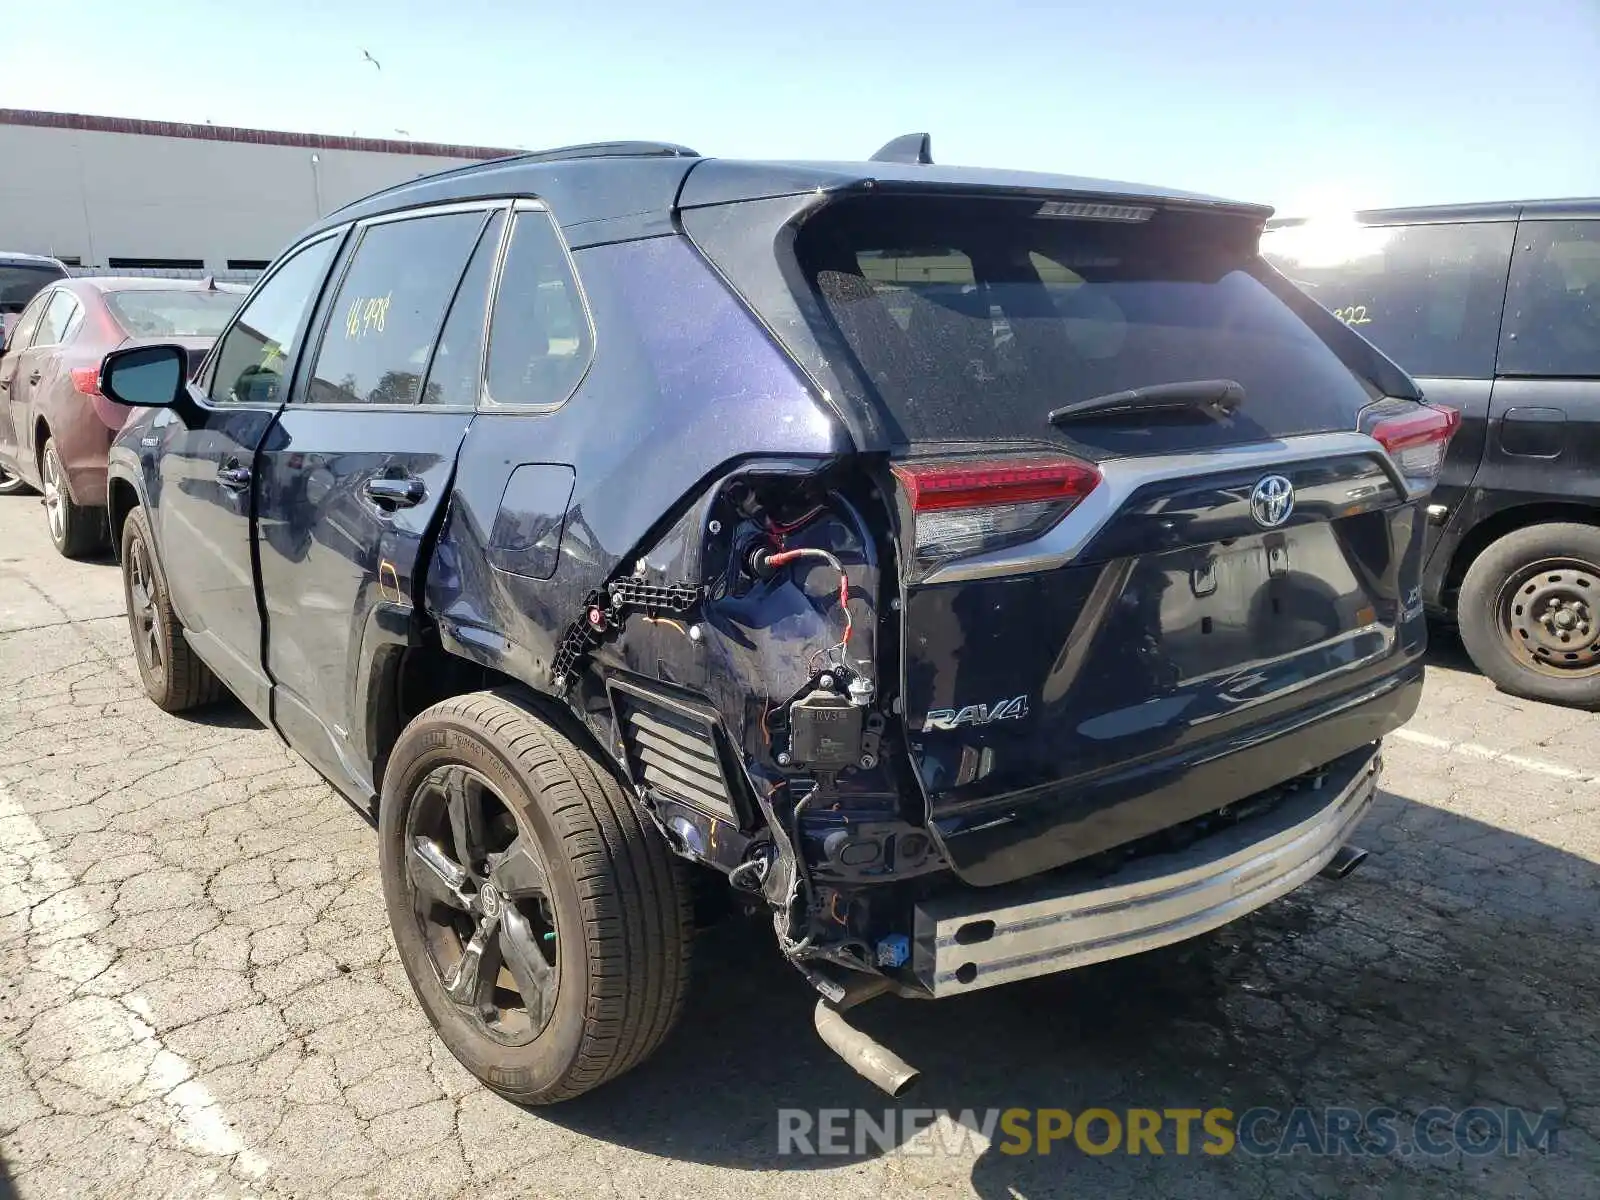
<point x="12" y="484"/>
<point x="75" y="530"/>
<point x="544" y="925"/>
<point x="1530" y="613"/>
<point x="172" y="673"/>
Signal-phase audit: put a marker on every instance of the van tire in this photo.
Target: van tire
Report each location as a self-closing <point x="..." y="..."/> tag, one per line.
<point x="617" y="903"/>
<point x="172" y="673"/>
<point x="1549" y="571"/>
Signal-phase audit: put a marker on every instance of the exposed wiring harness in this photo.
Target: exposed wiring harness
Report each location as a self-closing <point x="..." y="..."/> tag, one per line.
<point x="769" y="561"/>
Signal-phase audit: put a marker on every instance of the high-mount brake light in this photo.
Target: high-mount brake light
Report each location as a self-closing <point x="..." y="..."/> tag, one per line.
<point x="1076" y="210"/>
<point x="967" y="506"/>
<point x="1415" y="435"/>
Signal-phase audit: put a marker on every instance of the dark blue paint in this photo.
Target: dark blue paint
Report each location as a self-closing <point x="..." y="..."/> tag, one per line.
<point x="683" y="385"/>
<point x="1152" y="697"/>
<point x="526" y="538"/>
<point x="338" y="567"/>
<point x="1142" y="669"/>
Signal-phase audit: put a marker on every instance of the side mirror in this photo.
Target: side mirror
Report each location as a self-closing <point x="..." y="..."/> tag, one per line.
<point x="145" y="376"/>
<point x="8" y="322"/>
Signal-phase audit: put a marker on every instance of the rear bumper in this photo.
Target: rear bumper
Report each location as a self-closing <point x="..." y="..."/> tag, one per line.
<point x="1074" y="918"/>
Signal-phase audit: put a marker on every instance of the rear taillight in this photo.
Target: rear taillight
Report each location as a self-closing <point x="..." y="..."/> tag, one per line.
<point x="1415" y="435"/>
<point x="967" y="506"/>
<point x="86" y="380"/>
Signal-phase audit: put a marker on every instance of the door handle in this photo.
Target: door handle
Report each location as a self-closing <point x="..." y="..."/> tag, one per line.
<point x="234" y="477"/>
<point x="34" y="378"/>
<point x="390" y="493"/>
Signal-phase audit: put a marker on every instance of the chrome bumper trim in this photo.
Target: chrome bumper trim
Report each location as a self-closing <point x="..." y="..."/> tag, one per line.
<point x="1151" y="902"/>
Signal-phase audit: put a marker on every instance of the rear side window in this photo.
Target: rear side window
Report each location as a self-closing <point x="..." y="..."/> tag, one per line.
<point x="391" y="302"/>
<point x="539" y="338"/>
<point x="60" y="319"/>
<point x="1428" y="296"/>
<point x="973" y="319"/>
<point x="1553" y="305"/>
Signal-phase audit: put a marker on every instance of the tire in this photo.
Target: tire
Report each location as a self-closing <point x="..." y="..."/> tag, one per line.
<point x="12" y="485"/>
<point x="1520" y="596"/>
<point x="76" y="531"/>
<point x="479" y="780"/>
<point x="172" y="673"/>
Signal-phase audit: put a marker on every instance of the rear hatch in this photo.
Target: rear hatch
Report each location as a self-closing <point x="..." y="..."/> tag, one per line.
<point x="1155" y="556"/>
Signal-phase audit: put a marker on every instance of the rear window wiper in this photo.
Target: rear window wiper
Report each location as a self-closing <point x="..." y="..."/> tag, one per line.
<point x="1212" y="397"/>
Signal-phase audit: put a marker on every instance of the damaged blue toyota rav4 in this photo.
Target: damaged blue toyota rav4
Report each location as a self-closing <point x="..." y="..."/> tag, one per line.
<point x="982" y="573"/>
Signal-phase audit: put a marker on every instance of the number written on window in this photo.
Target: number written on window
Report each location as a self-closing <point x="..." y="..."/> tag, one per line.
<point x="366" y="315"/>
<point x="1356" y="314"/>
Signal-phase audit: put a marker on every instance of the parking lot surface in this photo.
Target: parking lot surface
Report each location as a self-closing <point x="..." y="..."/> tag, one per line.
<point x="199" y="996"/>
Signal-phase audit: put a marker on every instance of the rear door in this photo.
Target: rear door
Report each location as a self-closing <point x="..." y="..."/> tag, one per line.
<point x="1428" y="295"/>
<point x="356" y="467"/>
<point x="1118" y="621"/>
<point x="201" y="494"/>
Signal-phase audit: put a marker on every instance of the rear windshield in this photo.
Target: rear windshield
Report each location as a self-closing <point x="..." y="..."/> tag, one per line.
<point x="973" y="319"/>
<point x="173" y="314"/>
<point x="21" y="282"/>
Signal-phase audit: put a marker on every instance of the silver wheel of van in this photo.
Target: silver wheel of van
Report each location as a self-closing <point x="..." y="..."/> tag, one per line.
<point x="11" y="484"/>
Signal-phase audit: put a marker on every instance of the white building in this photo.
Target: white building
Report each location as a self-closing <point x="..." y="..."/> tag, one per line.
<point x="116" y="193"/>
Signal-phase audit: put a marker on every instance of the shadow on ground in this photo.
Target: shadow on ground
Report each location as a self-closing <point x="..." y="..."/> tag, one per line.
<point x="226" y="713"/>
<point x="1445" y="649"/>
<point x="1456" y="968"/>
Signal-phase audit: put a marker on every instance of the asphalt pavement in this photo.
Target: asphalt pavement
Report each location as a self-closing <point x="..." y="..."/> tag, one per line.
<point x="199" y="995"/>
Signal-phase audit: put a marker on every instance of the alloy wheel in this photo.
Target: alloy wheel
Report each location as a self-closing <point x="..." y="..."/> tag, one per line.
<point x="53" y="494"/>
<point x="481" y="898"/>
<point x="142" y="610"/>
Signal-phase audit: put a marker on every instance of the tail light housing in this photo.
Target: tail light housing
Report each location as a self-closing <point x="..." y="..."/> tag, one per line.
<point x="1415" y="435"/>
<point x="972" y="505"/>
<point x="87" y="380"/>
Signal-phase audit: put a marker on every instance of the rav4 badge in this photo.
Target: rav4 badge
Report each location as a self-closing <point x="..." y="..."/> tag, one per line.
<point x="1013" y="709"/>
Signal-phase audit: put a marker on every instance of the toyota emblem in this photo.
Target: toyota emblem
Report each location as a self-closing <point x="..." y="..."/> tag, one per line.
<point x="1271" y="501"/>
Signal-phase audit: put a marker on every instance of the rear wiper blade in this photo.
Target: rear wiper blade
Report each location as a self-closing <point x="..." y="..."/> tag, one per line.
<point x="1213" y="397"/>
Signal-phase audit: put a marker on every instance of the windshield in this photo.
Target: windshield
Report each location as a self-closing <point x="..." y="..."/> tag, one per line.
<point x="173" y="314"/>
<point x="20" y="282"/>
<point x="973" y="319"/>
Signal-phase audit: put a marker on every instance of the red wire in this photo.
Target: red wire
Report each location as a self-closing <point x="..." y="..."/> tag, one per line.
<point x="844" y="604"/>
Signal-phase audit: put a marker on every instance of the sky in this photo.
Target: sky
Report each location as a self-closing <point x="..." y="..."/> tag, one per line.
<point x="1310" y="105"/>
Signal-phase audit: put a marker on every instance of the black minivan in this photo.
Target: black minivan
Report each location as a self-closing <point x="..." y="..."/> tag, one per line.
<point x="1495" y="310"/>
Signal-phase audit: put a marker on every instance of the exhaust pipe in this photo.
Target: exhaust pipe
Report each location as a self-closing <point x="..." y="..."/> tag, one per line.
<point x="870" y="1058"/>
<point x="1344" y="860"/>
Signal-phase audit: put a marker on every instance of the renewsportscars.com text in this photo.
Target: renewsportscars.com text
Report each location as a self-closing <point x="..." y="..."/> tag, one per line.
<point x="1259" y="1132"/>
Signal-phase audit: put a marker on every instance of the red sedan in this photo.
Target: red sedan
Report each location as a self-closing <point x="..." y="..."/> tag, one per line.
<point x="55" y="426"/>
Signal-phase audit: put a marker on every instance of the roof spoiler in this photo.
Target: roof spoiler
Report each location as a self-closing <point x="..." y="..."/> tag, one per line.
<point x="907" y="148"/>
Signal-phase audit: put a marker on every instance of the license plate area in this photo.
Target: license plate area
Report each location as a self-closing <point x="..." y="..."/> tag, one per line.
<point x="1251" y="600"/>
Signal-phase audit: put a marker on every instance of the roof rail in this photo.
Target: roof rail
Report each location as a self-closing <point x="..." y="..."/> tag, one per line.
<point x="585" y="150"/>
<point x="609" y="150"/>
<point x="907" y="148"/>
